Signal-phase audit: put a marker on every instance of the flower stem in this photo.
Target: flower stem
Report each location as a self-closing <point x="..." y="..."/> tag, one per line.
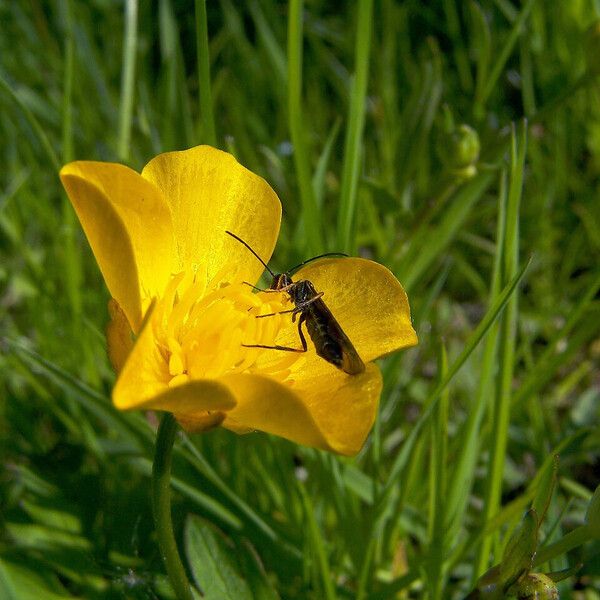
<point x="161" y="500"/>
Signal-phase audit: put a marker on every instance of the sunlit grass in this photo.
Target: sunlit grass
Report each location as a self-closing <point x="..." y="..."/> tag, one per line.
<point x="348" y="112"/>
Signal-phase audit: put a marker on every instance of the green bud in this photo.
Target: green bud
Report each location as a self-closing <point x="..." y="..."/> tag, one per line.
<point x="535" y="586"/>
<point x="592" y="48"/>
<point x="459" y="150"/>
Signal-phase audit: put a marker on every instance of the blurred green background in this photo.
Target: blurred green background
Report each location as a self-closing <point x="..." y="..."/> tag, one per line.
<point x="393" y="130"/>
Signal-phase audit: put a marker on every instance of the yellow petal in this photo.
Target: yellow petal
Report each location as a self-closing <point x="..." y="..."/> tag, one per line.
<point x="266" y="405"/>
<point x="345" y="406"/>
<point x="143" y="382"/>
<point x="209" y="192"/>
<point x="118" y="336"/>
<point x="145" y="373"/>
<point x="128" y="225"/>
<point x="367" y="301"/>
<point x="332" y="413"/>
<point x="200" y="423"/>
<point x="192" y="400"/>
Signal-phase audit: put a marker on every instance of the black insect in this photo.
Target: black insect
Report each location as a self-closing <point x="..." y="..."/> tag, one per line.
<point x="331" y="343"/>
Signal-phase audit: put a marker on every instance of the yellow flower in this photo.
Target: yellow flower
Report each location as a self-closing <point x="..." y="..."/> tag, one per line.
<point x="176" y="280"/>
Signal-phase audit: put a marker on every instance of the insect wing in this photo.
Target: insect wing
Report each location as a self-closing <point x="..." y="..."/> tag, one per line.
<point x="326" y="332"/>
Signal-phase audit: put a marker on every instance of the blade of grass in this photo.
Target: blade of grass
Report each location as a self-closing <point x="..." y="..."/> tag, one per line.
<point x="437" y="486"/>
<point x="354" y="128"/>
<point x="464" y="472"/>
<point x="127" y="79"/>
<point x="205" y="501"/>
<point x="35" y="124"/>
<point x="207" y="120"/>
<point x="297" y="125"/>
<point x="508" y="513"/>
<point x="72" y="272"/>
<point x="483" y="43"/>
<point x="275" y="52"/>
<point x="504" y="54"/>
<point x="545" y="366"/>
<point x="318" y="544"/>
<point x="461" y="58"/>
<point x="93" y="401"/>
<point x="405" y="456"/>
<point x="500" y="417"/>
<point x="197" y="460"/>
<point x="434" y="240"/>
<point x="318" y="181"/>
<point x="481" y="330"/>
<point x="67" y="112"/>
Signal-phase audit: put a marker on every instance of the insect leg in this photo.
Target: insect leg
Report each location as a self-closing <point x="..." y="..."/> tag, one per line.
<point x="303" y="305"/>
<point x="268" y="290"/>
<point x="302" y="338"/>
<point x="286" y="348"/>
<point x="299" y="308"/>
<point x="282" y="312"/>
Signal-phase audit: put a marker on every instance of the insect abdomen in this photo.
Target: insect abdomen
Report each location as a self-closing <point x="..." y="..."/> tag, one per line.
<point x="326" y="346"/>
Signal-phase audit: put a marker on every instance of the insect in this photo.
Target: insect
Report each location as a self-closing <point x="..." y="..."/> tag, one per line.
<point x="331" y="343"/>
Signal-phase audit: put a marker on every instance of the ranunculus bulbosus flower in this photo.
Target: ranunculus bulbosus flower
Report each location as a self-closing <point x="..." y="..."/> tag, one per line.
<point x="181" y="311"/>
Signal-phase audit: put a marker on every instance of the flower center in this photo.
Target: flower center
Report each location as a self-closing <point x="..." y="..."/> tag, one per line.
<point x="205" y="328"/>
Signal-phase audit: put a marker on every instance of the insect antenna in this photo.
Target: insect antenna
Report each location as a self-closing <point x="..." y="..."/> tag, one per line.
<point x="294" y="269"/>
<point x="239" y="239"/>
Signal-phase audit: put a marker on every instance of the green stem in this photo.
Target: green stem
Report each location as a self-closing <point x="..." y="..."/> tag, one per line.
<point x="161" y="500"/>
<point x="207" y="120"/>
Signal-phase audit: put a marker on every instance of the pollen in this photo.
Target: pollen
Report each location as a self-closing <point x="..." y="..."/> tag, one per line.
<point x="205" y="327"/>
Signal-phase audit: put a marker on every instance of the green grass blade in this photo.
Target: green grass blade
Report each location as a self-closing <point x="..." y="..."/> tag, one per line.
<point x="97" y="404"/>
<point x="505" y="53"/>
<point x="323" y="164"/>
<point x="480" y="331"/>
<point x="354" y="129"/>
<point x="67" y="106"/>
<point x="127" y="79"/>
<point x="318" y="544"/>
<point x="196" y="459"/>
<point x="464" y="472"/>
<point x="35" y="124"/>
<point x="207" y="120"/>
<point x="551" y="358"/>
<point x="501" y="414"/>
<point x="297" y="125"/>
<point x="435" y="240"/>
<point x="437" y="485"/>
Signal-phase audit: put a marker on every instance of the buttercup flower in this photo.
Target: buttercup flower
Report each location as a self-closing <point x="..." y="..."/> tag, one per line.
<point x="181" y="312"/>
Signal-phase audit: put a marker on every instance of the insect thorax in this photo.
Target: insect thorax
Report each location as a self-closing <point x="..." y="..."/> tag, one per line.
<point x="302" y="291"/>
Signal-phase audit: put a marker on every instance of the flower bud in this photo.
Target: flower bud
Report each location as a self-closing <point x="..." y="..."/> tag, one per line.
<point x="535" y="586"/>
<point x="459" y="150"/>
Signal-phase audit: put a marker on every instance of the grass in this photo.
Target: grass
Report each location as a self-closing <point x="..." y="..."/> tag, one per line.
<point x="352" y="113"/>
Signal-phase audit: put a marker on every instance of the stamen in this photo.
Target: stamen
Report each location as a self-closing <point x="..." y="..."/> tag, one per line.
<point x="203" y="328"/>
